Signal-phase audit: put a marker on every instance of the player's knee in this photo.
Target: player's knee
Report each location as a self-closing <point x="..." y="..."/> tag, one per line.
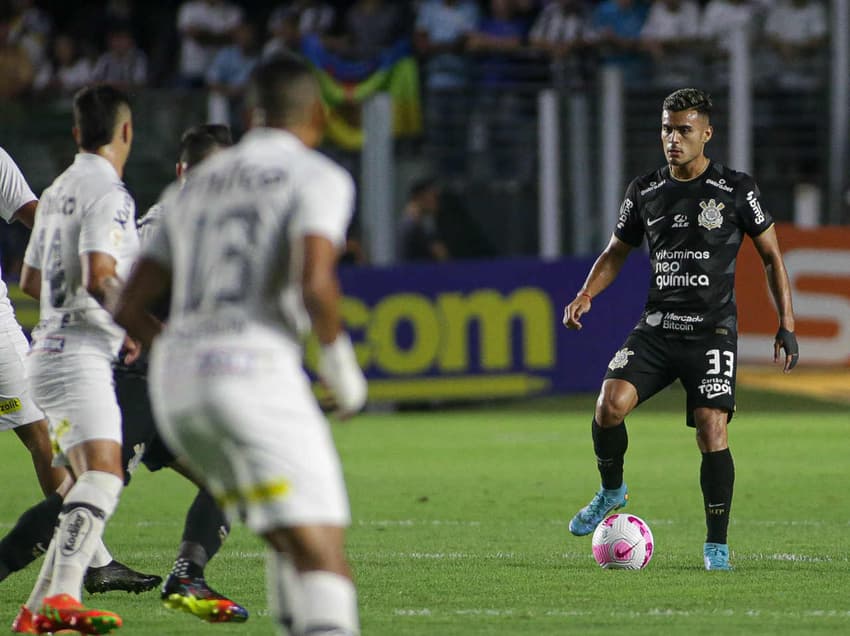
<point x="316" y="549"/>
<point x="612" y="408"/>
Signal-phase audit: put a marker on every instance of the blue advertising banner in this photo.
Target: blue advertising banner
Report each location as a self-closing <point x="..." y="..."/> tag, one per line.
<point x="480" y="330"/>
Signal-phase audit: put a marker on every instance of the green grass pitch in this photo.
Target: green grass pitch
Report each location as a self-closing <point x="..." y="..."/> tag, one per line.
<point x="460" y="526"/>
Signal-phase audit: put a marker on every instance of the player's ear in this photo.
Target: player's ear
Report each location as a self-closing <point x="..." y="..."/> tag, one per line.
<point x="126" y="132"/>
<point x="75" y="131"/>
<point x="179" y="169"/>
<point x="707" y="133"/>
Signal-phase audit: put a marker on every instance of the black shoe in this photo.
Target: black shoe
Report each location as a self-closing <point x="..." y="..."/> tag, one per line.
<point x="193" y="595"/>
<point x="115" y="576"/>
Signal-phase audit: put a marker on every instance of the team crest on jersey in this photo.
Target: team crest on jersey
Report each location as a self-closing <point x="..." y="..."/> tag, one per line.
<point x="620" y="359"/>
<point x="710" y="217"/>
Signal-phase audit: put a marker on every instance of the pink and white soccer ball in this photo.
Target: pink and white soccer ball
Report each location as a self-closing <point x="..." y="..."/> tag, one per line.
<point x="623" y="542"/>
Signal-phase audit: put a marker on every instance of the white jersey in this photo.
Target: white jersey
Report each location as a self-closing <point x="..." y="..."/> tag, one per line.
<point x="86" y="209"/>
<point x="149" y="222"/>
<point x="14" y="193"/>
<point x="231" y="237"/>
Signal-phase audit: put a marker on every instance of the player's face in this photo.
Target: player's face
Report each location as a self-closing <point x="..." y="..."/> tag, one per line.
<point x="684" y="134"/>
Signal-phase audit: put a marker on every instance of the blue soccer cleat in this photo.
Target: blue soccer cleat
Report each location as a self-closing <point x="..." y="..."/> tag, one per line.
<point x="716" y="556"/>
<point x="603" y="502"/>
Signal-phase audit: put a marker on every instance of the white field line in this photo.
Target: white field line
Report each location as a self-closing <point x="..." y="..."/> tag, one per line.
<point x="656" y="612"/>
<point x="410" y="523"/>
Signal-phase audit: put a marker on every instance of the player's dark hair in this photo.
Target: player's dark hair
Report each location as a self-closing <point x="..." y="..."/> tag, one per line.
<point x="284" y="88"/>
<point x="199" y="142"/>
<point x="689" y="99"/>
<point x="96" y="110"/>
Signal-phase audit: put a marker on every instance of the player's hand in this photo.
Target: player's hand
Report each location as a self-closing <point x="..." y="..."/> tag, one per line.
<point x="788" y="341"/>
<point x="575" y="310"/>
<point x="339" y="371"/>
<point x="131" y="350"/>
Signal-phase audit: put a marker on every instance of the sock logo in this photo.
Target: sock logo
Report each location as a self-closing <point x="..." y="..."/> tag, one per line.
<point x="74" y="534"/>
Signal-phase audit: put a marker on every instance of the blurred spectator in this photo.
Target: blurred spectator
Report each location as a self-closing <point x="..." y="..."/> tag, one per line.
<point x="499" y="135"/>
<point x="796" y="33"/>
<point x="67" y="70"/>
<point x="721" y="19"/>
<point x="668" y="35"/>
<point x="616" y="27"/>
<point x="561" y="31"/>
<point x="420" y="239"/>
<point x="442" y="27"/>
<point x="228" y="76"/>
<point x="30" y="28"/>
<point x="16" y="67"/>
<point x="123" y="64"/>
<point x="370" y="27"/>
<point x="289" y="23"/>
<point x="205" y="26"/>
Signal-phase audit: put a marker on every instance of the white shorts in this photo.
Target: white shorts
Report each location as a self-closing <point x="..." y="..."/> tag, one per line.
<point x="74" y="388"/>
<point x="247" y="421"/>
<point x="16" y="405"/>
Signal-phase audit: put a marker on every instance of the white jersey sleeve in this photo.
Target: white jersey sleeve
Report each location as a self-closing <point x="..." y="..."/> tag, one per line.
<point x="14" y="191"/>
<point x="108" y="225"/>
<point x="324" y="205"/>
<point x="157" y="245"/>
<point x="32" y="256"/>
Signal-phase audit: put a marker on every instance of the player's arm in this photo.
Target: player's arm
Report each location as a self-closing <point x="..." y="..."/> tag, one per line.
<point x="31" y="281"/>
<point x="604" y="271"/>
<point x="767" y="246"/>
<point x="148" y="284"/>
<point x="26" y="213"/>
<point x="338" y="365"/>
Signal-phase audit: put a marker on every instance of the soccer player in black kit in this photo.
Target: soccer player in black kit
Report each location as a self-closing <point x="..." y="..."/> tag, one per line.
<point x="694" y="213"/>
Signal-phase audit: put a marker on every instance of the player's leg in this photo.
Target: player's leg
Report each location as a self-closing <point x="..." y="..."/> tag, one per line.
<point x="309" y="581"/>
<point x="75" y="391"/>
<point x="205" y="526"/>
<point x="32" y="532"/>
<point x="717" y="480"/>
<point x="85" y="511"/>
<point x="204" y="530"/>
<point x="708" y="369"/>
<point x="36" y="439"/>
<point x="636" y="372"/>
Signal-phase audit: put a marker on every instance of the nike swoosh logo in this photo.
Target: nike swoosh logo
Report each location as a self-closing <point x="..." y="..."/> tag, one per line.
<point x="711" y="396"/>
<point x="654" y="221"/>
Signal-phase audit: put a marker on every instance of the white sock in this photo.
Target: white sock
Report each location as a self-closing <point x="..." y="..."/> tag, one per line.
<point x="102" y="556"/>
<point x="45" y="576"/>
<point x="284" y="593"/>
<point x="88" y="505"/>
<point x="330" y="605"/>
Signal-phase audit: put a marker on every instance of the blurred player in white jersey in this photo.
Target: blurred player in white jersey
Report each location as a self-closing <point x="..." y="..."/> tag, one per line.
<point x="83" y="244"/>
<point x="17" y="410"/>
<point x="249" y="248"/>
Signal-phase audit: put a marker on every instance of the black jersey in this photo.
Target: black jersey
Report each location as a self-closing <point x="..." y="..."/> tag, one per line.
<point x="694" y="230"/>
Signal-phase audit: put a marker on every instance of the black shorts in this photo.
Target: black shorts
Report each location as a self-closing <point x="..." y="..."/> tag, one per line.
<point x="142" y="443"/>
<point x="706" y="367"/>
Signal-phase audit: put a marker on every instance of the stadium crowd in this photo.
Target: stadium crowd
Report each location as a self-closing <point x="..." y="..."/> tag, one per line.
<point x="58" y="47"/>
<point x="480" y="62"/>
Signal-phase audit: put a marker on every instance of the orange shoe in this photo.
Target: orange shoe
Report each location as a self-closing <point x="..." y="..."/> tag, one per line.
<point x="63" y="611"/>
<point x="23" y="622"/>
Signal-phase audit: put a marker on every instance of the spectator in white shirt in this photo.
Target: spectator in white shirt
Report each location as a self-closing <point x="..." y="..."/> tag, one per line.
<point x="123" y="65"/>
<point x="205" y="26"/>
<point x="795" y="33"/>
<point x="560" y="30"/>
<point x="668" y="34"/>
<point x="68" y="71"/>
<point x="721" y="19"/>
